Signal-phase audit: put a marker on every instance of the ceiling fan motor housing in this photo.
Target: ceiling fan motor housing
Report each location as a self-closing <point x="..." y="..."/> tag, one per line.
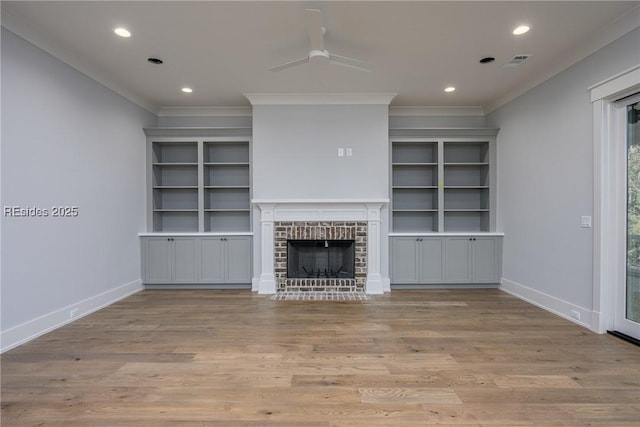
<point x="318" y="56"/>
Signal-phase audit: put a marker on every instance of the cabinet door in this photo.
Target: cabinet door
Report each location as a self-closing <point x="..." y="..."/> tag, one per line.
<point x="212" y="260"/>
<point x="238" y="259"/>
<point x="157" y="259"/>
<point x="457" y="260"/>
<point x="404" y="264"/>
<point x="184" y="260"/>
<point x="485" y="257"/>
<point x="431" y="259"/>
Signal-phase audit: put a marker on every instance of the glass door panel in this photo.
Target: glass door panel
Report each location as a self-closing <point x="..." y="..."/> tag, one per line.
<point x="632" y="291"/>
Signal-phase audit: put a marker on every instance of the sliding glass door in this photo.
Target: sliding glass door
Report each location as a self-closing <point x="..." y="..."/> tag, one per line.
<point x="628" y="294"/>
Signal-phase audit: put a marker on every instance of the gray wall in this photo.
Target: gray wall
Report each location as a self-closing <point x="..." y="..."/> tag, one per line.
<point x="66" y="140"/>
<point x="205" y="121"/>
<point x="399" y="122"/>
<point x="295" y="151"/>
<point x="545" y="176"/>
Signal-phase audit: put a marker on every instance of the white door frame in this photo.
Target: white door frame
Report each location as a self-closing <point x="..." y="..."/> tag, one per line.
<point x="607" y="209"/>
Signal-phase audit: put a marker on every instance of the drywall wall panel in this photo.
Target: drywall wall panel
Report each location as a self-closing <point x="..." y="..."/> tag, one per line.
<point x="296" y="151"/>
<point x="545" y="177"/>
<point x="67" y="141"/>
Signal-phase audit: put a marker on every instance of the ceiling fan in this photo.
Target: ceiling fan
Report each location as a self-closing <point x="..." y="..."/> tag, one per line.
<point x="318" y="53"/>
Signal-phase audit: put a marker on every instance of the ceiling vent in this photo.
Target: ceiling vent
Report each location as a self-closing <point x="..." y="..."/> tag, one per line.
<point x="517" y="60"/>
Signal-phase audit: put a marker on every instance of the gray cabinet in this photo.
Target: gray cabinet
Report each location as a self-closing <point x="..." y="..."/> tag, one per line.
<point x="196" y="260"/>
<point x="468" y="259"/>
<point x="417" y="260"/>
<point x="473" y="259"/>
<point x="169" y="259"/>
<point x="486" y="258"/>
<point x="457" y="264"/>
<point x="225" y="259"/>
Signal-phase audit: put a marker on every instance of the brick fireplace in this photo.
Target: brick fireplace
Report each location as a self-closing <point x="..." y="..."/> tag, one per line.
<point x="319" y="231"/>
<point x="319" y="220"/>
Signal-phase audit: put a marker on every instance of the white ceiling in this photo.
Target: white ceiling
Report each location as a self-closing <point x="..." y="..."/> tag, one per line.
<point x="225" y="49"/>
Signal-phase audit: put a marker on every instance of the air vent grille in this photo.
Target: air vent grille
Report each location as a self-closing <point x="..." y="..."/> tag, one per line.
<point x="517" y="60"/>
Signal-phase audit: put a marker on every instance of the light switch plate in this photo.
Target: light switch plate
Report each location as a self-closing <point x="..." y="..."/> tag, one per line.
<point x="340" y="152"/>
<point x="585" y="222"/>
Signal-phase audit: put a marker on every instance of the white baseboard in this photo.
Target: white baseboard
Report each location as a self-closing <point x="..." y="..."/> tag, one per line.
<point x="587" y="318"/>
<point x="27" y="331"/>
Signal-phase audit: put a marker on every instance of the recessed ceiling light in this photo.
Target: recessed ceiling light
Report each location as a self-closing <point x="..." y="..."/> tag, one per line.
<point x="122" y="32"/>
<point x="156" y="61"/>
<point x="449" y="89"/>
<point x="187" y="90"/>
<point x="487" y="60"/>
<point x="520" y="30"/>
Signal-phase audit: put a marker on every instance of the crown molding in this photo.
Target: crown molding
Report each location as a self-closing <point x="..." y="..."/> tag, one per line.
<point x="204" y="111"/>
<point x="435" y="111"/>
<point x="320" y="98"/>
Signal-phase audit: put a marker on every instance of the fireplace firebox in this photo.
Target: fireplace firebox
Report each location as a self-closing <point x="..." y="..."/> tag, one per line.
<point x="339" y="247"/>
<point x="332" y="259"/>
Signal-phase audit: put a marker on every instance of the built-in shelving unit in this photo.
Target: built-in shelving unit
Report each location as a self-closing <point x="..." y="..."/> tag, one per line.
<point x="466" y="186"/>
<point x="415" y="185"/>
<point x="175" y="186"/>
<point x="199" y="184"/>
<point x="226" y="186"/>
<point x="442" y="185"/>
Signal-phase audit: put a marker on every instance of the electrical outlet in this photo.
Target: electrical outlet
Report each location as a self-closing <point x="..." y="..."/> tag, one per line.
<point x="73" y="313"/>
<point x="575" y="314"/>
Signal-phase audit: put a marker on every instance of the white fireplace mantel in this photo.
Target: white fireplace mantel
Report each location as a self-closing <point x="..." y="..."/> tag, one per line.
<point x="272" y="210"/>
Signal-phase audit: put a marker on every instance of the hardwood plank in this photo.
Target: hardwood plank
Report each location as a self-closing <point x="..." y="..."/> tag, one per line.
<point x="408" y="395"/>
<point x="536" y="381"/>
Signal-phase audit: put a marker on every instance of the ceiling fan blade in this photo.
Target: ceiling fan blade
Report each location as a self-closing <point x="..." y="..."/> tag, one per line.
<point x="315" y="29"/>
<point x="345" y="61"/>
<point x="290" y="64"/>
<point x="344" y="64"/>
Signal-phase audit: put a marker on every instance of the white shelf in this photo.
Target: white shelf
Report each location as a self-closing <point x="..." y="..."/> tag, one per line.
<point x="466" y="210"/>
<point x="465" y="164"/>
<point x="416" y="187"/>
<point x="226" y="163"/>
<point x="175" y="164"/>
<point x="415" y="210"/>
<point x="414" y="164"/>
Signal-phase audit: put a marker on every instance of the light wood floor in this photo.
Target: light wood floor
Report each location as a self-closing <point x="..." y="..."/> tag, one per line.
<point x="408" y="358"/>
